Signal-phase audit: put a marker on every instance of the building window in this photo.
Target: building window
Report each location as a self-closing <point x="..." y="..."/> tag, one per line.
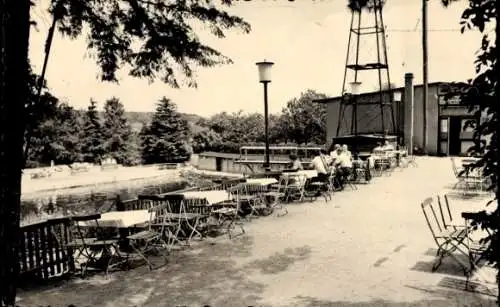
<point x="444" y="125"/>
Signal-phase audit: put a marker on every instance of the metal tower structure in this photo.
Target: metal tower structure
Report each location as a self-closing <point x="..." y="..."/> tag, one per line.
<point x="359" y="115"/>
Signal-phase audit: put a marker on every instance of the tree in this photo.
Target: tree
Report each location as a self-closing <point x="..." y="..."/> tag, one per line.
<point x="14" y="92"/>
<point x="165" y="139"/>
<point x="38" y="110"/>
<point x="306" y="119"/>
<point x="92" y="137"/>
<point x="117" y="133"/>
<point x="155" y="38"/>
<point x="237" y="129"/>
<point x="206" y="140"/>
<point x="57" y="138"/>
<point x="278" y="128"/>
<point x="481" y="95"/>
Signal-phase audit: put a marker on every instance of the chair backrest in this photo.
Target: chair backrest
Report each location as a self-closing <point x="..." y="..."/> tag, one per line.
<point x="283" y="182"/>
<point x="77" y="227"/>
<point x="444" y="209"/>
<point x="253" y="189"/>
<point x="195" y="205"/>
<point x="456" y="171"/>
<point x="431" y="217"/>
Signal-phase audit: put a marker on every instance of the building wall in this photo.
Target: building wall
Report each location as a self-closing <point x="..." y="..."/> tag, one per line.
<point x="432" y="117"/>
<point x="333" y="109"/>
<point x="209" y="163"/>
<point x="206" y="163"/>
<point x="332" y="120"/>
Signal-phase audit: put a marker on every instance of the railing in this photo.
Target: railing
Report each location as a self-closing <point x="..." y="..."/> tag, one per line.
<point x="43" y="251"/>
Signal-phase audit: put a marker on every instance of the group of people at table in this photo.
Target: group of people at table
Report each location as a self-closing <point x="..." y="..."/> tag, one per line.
<point x="340" y="163"/>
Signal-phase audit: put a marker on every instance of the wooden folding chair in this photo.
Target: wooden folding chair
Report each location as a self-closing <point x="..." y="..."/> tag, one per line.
<point x="459" y="174"/>
<point x="469" y="179"/>
<point x="228" y="213"/>
<point x="99" y="251"/>
<point x="193" y="214"/>
<point x="445" y="212"/>
<point x="80" y="240"/>
<point x="350" y="181"/>
<point x="167" y="220"/>
<point x="476" y="247"/>
<point x="448" y="240"/>
<point x="250" y="198"/>
<point x="278" y="195"/>
<point x="295" y="187"/>
<point x="151" y="239"/>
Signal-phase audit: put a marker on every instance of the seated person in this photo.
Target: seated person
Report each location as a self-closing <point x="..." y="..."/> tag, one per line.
<point x="378" y="148"/>
<point x="327" y="158"/>
<point x="346" y="151"/>
<point x="334" y="151"/>
<point x="344" y="168"/>
<point x="296" y="165"/>
<point x="388" y="146"/>
<point x="320" y="165"/>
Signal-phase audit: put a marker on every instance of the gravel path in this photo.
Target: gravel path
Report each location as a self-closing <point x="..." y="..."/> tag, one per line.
<point x="369" y="247"/>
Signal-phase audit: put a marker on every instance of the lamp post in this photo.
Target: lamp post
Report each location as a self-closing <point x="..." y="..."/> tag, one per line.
<point x="397" y="99"/>
<point x="265" y="78"/>
<point x="355" y="85"/>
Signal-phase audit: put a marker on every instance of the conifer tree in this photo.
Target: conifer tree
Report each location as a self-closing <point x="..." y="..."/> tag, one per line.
<point x="165" y="139"/>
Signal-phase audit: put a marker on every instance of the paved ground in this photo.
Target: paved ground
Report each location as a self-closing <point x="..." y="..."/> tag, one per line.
<point x="369" y="247"/>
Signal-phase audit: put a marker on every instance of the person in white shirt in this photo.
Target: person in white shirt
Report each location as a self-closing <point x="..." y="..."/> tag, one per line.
<point x="344" y="168"/>
<point x="378" y="148"/>
<point x="296" y="164"/>
<point x="346" y="151"/>
<point x="320" y="164"/>
<point x="388" y="146"/>
<point x="335" y="152"/>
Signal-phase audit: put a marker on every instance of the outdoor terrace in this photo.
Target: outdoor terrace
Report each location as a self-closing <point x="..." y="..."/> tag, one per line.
<point x="365" y="247"/>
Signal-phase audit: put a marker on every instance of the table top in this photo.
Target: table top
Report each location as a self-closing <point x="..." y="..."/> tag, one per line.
<point x="212" y="197"/>
<point x="308" y="173"/>
<point x="119" y="219"/>
<point x="469" y="160"/>
<point x="261" y="181"/>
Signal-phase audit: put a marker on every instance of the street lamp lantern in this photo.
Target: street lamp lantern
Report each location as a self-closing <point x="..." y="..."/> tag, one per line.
<point x="264" y="71"/>
<point x="397" y="96"/>
<point x="355" y="85"/>
<point x="264" y="78"/>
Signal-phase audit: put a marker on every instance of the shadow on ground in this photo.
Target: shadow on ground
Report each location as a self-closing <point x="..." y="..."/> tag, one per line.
<point x="436" y="298"/>
<point x="279" y="262"/>
<point x="448" y="266"/>
<point x="205" y="274"/>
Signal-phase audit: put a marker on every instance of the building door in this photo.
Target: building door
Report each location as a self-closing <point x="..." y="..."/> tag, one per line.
<point x="454" y="141"/>
<point x="218" y="164"/>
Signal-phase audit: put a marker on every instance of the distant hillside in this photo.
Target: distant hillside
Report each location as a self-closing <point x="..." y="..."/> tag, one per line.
<point x="138" y="119"/>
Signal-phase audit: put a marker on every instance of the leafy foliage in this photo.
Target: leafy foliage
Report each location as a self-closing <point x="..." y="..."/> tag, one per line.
<point x="481" y="95"/>
<point x="358" y="5"/>
<point x="92" y="135"/>
<point x="57" y="138"/>
<point x="155" y="38"/>
<point x="117" y="133"/>
<point x="206" y="140"/>
<point x="306" y="119"/>
<point x="166" y="139"/>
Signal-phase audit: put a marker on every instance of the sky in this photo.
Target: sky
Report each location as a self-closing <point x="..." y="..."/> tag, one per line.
<point x="306" y="39"/>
